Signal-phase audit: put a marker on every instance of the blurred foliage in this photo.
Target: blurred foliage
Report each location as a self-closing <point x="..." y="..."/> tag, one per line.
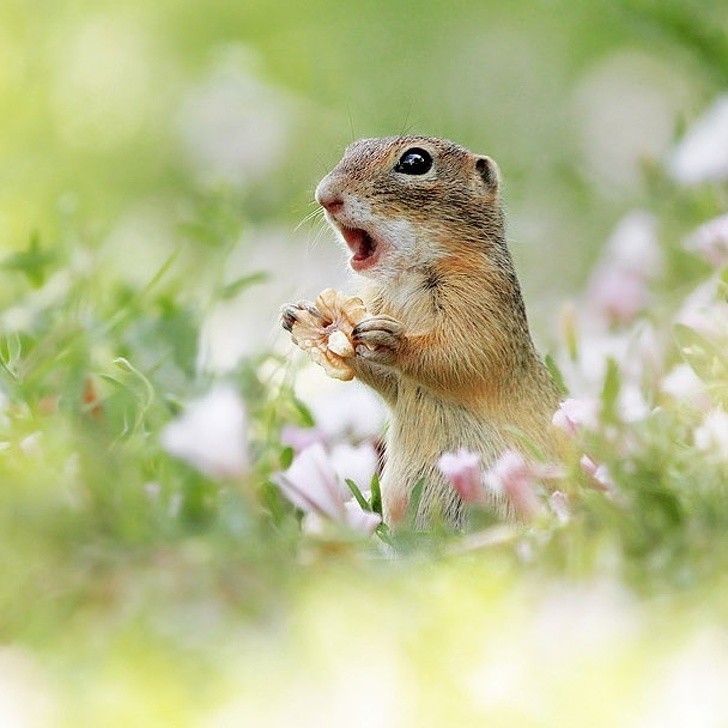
<point x="138" y="591"/>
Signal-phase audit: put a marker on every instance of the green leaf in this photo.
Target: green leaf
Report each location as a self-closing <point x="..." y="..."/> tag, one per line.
<point x="384" y="534"/>
<point x="286" y="457"/>
<point x="159" y="274"/>
<point x="305" y="413"/>
<point x="233" y="289"/>
<point x="32" y="261"/>
<point x="278" y="507"/>
<point x="113" y="380"/>
<point x="610" y="390"/>
<point x="360" y="499"/>
<point x="11" y="351"/>
<point x="413" y="506"/>
<point x="706" y="359"/>
<point x="556" y="375"/>
<point x="376" y="502"/>
<point x="145" y="399"/>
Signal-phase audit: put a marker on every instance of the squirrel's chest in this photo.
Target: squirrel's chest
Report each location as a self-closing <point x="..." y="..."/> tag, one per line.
<point x="411" y="302"/>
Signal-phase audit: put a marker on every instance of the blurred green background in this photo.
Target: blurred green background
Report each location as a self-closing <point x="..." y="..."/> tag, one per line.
<point x="153" y="157"/>
<point x="122" y="112"/>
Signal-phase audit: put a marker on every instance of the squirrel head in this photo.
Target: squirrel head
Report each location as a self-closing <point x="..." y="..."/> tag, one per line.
<point x="401" y="203"/>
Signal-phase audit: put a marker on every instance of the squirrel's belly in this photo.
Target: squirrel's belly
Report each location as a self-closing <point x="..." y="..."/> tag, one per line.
<point x="422" y="428"/>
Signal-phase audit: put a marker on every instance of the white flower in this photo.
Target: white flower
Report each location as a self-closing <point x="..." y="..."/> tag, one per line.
<point x="704" y="311"/>
<point x="31" y="444"/>
<point x="359" y="519"/>
<point x="586" y="374"/>
<point x="710" y="241"/>
<point x="343" y="411"/>
<point x="712" y="435"/>
<point x="212" y="434"/>
<point x="312" y="484"/>
<point x="354" y="462"/>
<point x="574" y="414"/>
<point x="598" y="475"/>
<point x="633" y="245"/>
<point x="682" y="383"/>
<point x="702" y="155"/>
<point x="631" y="403"/>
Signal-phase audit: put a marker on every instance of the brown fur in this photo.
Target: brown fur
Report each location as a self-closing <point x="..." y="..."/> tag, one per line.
<point x="448" y="348"/>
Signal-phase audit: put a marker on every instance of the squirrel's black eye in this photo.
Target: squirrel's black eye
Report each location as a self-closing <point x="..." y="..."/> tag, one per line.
<point x="414" y="161"/>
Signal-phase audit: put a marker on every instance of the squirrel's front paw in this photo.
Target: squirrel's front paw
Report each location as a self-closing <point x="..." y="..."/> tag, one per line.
<point x="294" y="312"/>
<point x="378" y="339"/>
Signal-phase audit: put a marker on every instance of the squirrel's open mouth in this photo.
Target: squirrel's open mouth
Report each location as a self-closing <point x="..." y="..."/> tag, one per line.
<point x="362" y="245"/>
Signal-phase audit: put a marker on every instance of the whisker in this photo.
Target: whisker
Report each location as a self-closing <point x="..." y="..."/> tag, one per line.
<point x="406" y="125"/>
<point x="319" y="230"/>
<point x="309" y="216"/>
<point x="351" y="123"/>
<point x="322" y="229"/>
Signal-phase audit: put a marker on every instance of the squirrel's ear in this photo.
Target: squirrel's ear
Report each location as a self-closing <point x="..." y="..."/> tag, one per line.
<point x="489" y="173"/>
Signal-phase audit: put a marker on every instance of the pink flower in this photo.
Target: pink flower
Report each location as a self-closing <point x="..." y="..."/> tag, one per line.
<point x="598" y="475"/>
<point x="299" y="438"/>
<point x="311" y="484"/>
<point x="618" y="287"/>
<point x="710" y="241"/>
<point x="462" y="470"/>
<point x="616" y="294"/>
<point x="559" y="503"/>
<point x="575" y="414"/>
<point x="512" y="476"/>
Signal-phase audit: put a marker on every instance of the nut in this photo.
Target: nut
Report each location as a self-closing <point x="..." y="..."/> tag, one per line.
<point x="326" y="334"/>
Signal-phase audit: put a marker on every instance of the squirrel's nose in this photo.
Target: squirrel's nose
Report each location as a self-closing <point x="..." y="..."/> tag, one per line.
<point x="328" y="197"/>
<point x="331" y="203"/>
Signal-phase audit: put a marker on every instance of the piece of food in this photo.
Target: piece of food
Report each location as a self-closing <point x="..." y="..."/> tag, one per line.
<point x="339" y="343"/>
<point x="325" y="331"/>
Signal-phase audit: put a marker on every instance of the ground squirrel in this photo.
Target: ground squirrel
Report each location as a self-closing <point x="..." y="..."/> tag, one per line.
<point x="447" y="344"/>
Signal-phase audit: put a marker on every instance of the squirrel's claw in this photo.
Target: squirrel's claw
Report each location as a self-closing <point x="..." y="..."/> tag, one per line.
<point x="289" y="316"/>
<point x="290" y="313"/>
<point x="310" y="307"/>
<point x="378" y="339"/>
<point x="375" y="324"/>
